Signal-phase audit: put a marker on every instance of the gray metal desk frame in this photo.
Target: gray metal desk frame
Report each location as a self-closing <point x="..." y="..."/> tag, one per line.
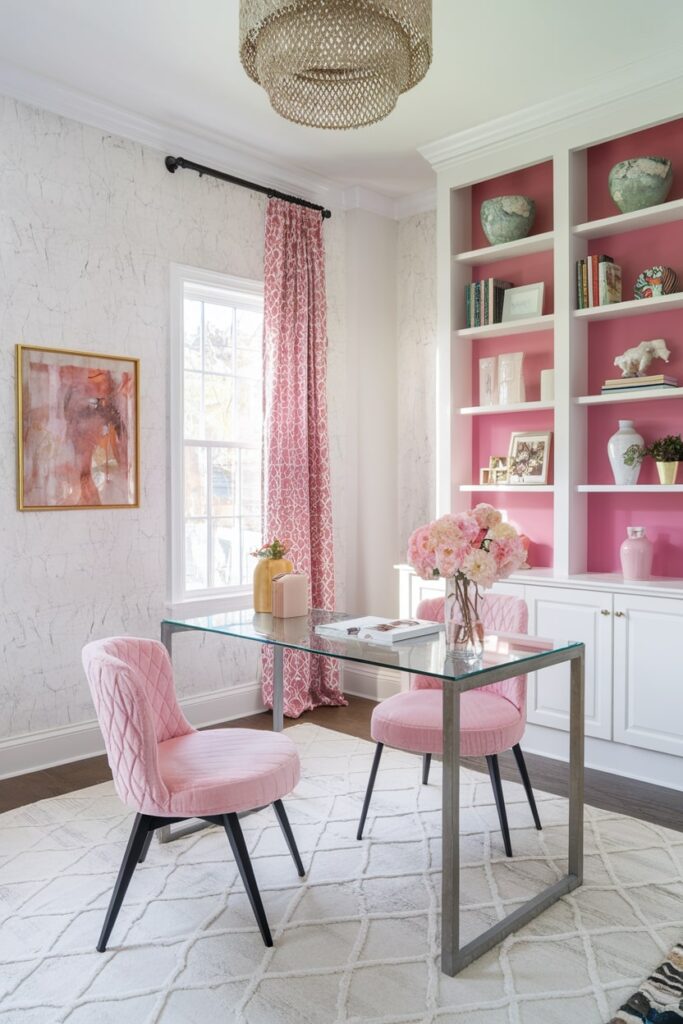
<point x="454" y="957"/>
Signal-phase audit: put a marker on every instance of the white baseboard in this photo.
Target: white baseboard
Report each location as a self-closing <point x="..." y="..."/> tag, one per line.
<point x="369" y="682"/>
<point x="31" y="752"/>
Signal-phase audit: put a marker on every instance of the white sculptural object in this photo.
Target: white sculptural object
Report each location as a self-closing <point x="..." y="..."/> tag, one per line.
<point x="634" y="362"/>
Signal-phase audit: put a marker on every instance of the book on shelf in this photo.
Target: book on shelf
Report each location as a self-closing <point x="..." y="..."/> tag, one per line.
<point x="598" y="281"/>
<point x="376" y="630"/>
<point x="633" y="384"/>
<point x="484" y="301"/>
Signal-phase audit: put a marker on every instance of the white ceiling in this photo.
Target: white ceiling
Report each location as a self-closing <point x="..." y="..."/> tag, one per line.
<point x="176" y="62"/>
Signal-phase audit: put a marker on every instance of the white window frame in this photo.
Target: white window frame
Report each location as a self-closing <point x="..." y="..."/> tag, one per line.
<point x="207" y="285"/>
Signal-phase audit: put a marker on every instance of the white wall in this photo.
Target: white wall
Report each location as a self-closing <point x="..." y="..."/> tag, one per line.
<point x="371" y="498"/>
<point x="90" y="224"/>
<point x="416" y="363"/>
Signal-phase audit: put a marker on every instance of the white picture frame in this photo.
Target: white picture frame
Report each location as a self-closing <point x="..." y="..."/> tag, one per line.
<point x="529" y="457"/>
<point x="523" y="303"/>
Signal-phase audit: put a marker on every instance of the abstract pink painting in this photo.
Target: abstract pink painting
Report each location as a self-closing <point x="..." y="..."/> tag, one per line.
<point x="78" y="429"/>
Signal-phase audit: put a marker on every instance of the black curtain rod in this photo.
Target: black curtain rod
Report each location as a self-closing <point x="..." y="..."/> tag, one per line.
<point x="173" y="162"/>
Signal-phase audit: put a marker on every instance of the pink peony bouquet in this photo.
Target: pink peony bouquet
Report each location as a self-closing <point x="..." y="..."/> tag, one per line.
<point x="475" y="546"/>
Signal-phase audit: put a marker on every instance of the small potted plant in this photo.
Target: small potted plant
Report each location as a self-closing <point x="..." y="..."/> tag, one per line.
<point x="667" y="453"/>
<point x="271" y="562"/>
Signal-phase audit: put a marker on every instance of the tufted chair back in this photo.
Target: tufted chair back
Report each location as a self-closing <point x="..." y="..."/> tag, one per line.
<point x="131" y="682"/>
<point x="499" y="613"/>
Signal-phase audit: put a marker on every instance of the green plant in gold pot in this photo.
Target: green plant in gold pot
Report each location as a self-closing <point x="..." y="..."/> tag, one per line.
<point x="667" y="453"/>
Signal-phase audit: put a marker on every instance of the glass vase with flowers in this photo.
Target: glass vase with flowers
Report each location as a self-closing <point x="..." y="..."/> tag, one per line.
<point x="471" y="551"/>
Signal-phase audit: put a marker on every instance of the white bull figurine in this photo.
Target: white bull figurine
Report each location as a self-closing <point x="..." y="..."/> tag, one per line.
<point x="634" y="362"/>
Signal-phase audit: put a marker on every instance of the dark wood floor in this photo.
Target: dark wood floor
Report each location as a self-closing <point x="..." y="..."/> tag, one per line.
<point x="610" y="792"/>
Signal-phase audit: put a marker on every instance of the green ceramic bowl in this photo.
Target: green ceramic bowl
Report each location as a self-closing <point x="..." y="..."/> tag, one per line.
<point x="507" y="218"/>
<point x="641" y="182"/>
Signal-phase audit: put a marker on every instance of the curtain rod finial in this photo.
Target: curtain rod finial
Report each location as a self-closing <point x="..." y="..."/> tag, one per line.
<point x="171" y="163"/>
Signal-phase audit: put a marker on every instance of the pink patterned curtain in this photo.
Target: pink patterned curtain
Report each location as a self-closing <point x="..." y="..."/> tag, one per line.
<point x="296" y="465"/>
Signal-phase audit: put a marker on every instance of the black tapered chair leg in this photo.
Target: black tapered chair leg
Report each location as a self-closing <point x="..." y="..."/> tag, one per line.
<point x="233" y="831"/>
<point x="145" y="846"/>
<point x="526" y="782"/>
<point x="279" y="809"/>
<point x="426" y="762"/>
<point x="136" y="843"/>
<point x="494" y="772"/>
<point x="368" y="792"/>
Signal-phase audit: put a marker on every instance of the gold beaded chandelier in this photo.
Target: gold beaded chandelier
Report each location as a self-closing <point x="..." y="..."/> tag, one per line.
<point x="335" y="63"/>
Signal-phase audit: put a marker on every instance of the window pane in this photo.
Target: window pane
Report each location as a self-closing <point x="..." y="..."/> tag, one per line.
<point x="192" y="402"/>
<point x="249" y="342"/>
<point x="251" y="529"/>
<point x="249" y="411"/>
<point x="218" y="324"/>
<point x="223" y="482"/>
<point x="195" y="481"/>
<point x="226" y="553"/>
<point x="218" y="405"/>
<point x="250" y="482"/>
<point x="192" y="328"/>
<point x="196" y="557"/>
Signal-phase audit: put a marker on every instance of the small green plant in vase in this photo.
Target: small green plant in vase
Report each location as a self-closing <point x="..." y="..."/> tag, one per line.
<point x="667" y="453"/>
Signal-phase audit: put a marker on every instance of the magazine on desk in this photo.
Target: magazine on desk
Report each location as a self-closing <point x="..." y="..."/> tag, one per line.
<point x="376" y="630"/>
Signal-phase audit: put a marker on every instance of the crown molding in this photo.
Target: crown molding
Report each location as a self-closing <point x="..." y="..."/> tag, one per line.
<point x="610" y="89"/>
<point x="215" y="149"/>
<point x="417" y="202"/>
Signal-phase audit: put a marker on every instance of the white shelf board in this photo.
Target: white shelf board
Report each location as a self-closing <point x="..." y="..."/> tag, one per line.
<point x="630" y="488"/>
<point x="526" y="326"/>
<point x="632" y="307"/>
<point x="510" y="488"/>
<point x="663" y="213"/>
<point x="488" y="410"/>
<point x="626" y="396"/>
<point x="507" y="250"/>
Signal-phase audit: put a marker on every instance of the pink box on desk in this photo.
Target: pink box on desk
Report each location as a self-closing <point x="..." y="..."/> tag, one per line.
<point x="290" y="595"/>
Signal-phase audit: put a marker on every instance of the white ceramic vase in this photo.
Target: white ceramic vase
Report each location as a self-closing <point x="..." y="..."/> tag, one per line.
<point x="617" y="446"/>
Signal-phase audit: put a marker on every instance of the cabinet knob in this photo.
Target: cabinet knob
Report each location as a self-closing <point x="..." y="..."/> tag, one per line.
<point x="604" y="611"/>
<point x="620" y="615"/>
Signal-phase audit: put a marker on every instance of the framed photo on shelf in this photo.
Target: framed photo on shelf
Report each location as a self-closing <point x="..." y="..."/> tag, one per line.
<point x="78" y="430"/>
<point x="529" y="457"/>
<point x="484" y="476"/>
<point x="523" y="302"/>
<point x="498" y="469"/>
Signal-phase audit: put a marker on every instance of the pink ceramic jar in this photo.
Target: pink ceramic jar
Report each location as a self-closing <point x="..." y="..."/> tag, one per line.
<point x="636" y="554"/>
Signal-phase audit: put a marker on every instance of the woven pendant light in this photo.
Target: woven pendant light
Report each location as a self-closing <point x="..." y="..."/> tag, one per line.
<point x="335" y="63"/>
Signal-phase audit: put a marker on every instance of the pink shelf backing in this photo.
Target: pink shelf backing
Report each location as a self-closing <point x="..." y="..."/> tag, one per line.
<point x="635" y="251"/>
<point x="524" y="270"/>
<point x="531" y="513"/>
<point x="661" y="515"/>
<point x="662" y="140"/>
<point x="609" y="338"/>
<point x="538" y="355"/>
<point x="535" y="182"/>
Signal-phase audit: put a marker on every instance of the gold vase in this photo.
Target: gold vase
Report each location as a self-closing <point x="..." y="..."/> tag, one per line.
<point x="265" y="569"/>
<point x="667" y="472"/>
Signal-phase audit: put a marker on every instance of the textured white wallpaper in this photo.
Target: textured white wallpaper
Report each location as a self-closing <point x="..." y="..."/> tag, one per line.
<point x="89" y="225"/>
<point x="416" y="353"/>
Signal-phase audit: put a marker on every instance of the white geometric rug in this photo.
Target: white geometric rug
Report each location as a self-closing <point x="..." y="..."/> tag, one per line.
<point x="357" y="940"/>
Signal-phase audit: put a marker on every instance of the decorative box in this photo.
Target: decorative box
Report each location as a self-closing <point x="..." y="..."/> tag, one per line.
<point x="290" y="595"/>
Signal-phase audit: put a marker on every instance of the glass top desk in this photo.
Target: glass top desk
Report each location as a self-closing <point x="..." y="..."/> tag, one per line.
<point x="505" y="656"/>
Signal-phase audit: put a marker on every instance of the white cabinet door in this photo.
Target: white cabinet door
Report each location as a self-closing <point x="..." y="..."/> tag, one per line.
<point x="648" y="673"/>
<point x="563" y="614"/>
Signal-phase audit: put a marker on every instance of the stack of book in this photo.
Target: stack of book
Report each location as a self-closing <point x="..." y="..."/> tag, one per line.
<point x="598" y="281"/>
<point x="484" y="301"/>
<point x="655" y="380"/>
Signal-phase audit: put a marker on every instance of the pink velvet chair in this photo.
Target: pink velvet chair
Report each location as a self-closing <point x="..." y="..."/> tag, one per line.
<point x="492" y="719"/>
<point x="167" y="771"/>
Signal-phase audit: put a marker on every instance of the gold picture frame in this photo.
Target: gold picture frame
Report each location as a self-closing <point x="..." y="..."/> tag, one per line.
<point x="78" y="430"/>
